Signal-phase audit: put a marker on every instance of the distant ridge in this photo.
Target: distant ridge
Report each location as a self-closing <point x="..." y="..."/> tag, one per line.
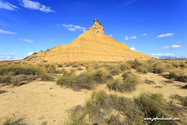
<point x="92" y="45"/>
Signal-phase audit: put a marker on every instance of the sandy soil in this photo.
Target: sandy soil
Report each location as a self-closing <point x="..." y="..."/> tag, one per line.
<point x="41" y="101"/>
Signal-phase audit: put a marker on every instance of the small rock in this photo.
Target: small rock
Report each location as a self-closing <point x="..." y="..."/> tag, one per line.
<point x="12" y="92"/>
<point x="51" y="88"/>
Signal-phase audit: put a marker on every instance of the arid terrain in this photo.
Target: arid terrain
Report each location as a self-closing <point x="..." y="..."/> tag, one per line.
<point x="108" y="93"/>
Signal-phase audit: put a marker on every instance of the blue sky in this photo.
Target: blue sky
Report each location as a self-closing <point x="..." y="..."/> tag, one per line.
<point x="154" y="27"/>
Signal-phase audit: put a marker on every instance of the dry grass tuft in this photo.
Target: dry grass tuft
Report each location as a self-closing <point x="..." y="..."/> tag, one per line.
<point x="178" y="75"/>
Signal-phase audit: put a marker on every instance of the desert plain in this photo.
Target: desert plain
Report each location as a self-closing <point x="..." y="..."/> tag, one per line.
<point x="80" y="93"/>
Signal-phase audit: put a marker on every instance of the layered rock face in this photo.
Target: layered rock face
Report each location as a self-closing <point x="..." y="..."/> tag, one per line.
<point x="92" y="45"/>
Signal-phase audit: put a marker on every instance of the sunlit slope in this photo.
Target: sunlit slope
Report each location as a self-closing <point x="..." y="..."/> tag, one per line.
<point x="92" y="45"/>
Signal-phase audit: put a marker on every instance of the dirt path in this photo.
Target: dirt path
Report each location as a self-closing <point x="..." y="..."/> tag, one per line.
<point x="40" y="101"/>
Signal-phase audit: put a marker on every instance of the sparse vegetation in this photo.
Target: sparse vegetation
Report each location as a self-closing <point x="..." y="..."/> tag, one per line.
<point x="134" y="64"/>
<point x="80" y="68"/>
<point x="18" y="69"/>
<point x="114" y="69"/>
<point x="124" y="66"/>
<point x="159" y="68"/>
<point x="127" y="85"/>
<point x="14" y="121"/>
<point x="99" y="109"/>
<point x="86" y="80"/>
<point x="178" y="75"/>
<point x="2" y="91"/>
<point x="141" y="69"/>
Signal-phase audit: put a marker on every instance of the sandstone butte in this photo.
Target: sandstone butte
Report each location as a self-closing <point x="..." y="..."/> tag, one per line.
<point x="92" y="45"/>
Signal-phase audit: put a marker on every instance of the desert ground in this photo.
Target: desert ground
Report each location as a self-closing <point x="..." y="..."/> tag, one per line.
<point x="46" y="93"/>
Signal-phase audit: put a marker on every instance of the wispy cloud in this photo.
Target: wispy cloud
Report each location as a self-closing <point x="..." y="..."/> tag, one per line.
<point x="7" y="6"/>
<point x="173" y="46"/>
<point x="132" y="48"/>
<point x="165" y="35"/>
<point x="30" y="53"/>
<point x="35" y="6"/>
<point x="71" y="27"/>
<point x="165" y="47"/>
<point x="6" y="32"/>
<point x="26" y="40"/>
<point x="144" y="34"/>
<point x="167" y="54"/>
<point x="133" y="37"/>
<point x="126" y="4"/>
<point x="50" y="40"/>
<point x="9" y="57"/>
<point x="126" y="37"/>
<point x="110" y="35"/>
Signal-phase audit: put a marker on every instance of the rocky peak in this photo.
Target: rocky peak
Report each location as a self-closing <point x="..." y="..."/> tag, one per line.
<point x="97" y="28"/>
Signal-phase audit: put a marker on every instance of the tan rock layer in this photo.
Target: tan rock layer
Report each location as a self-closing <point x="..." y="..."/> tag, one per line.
<point x="92" y="45"/>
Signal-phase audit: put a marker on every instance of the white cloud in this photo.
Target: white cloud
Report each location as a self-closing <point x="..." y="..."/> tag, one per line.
<point x="144" y="34"/>
<point x="6" y="32"/>
<point x="132" y="48"/>
<point x="71" y="27"/>
<point x="35" y="6"/>
<point x="9" y="57"/>
<point x="126" y="37"/>
<point x="110" y="35"/>
<point x="164" y="35"/>
<point x="46" y="9"/>
<point x="175" y="46"/>
<point x="167" y="54"/>
<point x="30" y="53"/>
<point x="50" y="40"/>
<point x="7" y="6"/>
<point x="27" y="40"/>
<point x="134" y="37"/>
<point x="165" y="47"/>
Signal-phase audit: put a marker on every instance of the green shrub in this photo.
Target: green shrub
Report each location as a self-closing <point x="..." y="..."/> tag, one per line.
<point x="75" y="65"/>
<point x="14" y="121"/>
<point x="66" y="80"/>
<point x="60" y="65"/>
<point x="80" y="68"/>
<point x="7" y="78"/>
<point x="127" y="85"/>
<point x="16" y="81"/>
<point x="100" y="75"/>
<point x="99" y="110"/>
<point x="115" y="70"/>
<point x="134" y="64"/>
<point x="178" y="75"/>
<point x="159" y="69"/>
<point x="124" y="66"/>
<point x="44" y="61"/>
<point x="141" y="69"/>
<point x="114" y="84"/>
<point x="42" y="73"/>
<point x="18" y="69"/>
<point x="126" y="73"/>
<point x="176" y="65"/>
<point x="182" y="64"/>
<point x="114" y="120"/>
<point x="2" y="91"/>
